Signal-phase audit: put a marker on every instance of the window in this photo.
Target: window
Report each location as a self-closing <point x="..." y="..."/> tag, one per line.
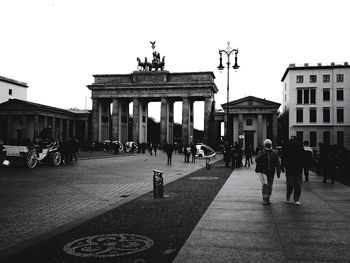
<point x="313" y="137"/>
<point x="313" y="96"/>
<point x="10" y="92"/>
<point x="340" y="138"/>
<point x="249" y="122"/>
<point x="313" y="115"/>
<point x="300" y="79"/>
<point x="326" y="137"/>
<point x="326" y="78"/>
<point x="300" y="137"/>
<point x="143" y="118"/>
<point x="326" y="94"/>
<point x="340" y="94"/>
<point x="313" y="78"/>
<point x="340" y="77"/>
<point x="326" y="115"/>
<point x="306" y="96"/>
<point x="300" y="96"/>
<point x="340" y="115"/>
<point x="299" y="115"/>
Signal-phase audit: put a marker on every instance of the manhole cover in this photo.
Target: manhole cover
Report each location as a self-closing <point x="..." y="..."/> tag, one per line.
<point x="204" y="178"/>
<point x="108" y="245"/>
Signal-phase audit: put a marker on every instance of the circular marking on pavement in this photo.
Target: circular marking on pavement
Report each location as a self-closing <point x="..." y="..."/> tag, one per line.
<point x="204" y="178"/>
<point x="108" y="245"/>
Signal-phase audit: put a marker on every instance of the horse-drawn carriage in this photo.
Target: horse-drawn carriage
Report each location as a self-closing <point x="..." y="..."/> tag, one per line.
<point x="31" y="154"/>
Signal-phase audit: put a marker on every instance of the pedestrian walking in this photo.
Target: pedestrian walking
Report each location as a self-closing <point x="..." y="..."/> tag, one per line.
<point x="292" y="164"/>
<point x="187" y="153"/>
<point x="267" y="164"/>
<point x="193" y="152"/>
<point x="227" y="153"/>
<point x="248" y="155"/>
<point x="169" y="151"/>
<point x="308" y="157"/>
<point x="155" y="148"/>
<point x="150" y="148"/>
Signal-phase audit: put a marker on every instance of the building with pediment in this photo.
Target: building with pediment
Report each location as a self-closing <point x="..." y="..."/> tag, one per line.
<point x="251" y="120"/>
<point x="21" y="119"/>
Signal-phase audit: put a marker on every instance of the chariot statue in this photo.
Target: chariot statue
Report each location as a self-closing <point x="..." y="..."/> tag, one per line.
<point x="155" y="64"/>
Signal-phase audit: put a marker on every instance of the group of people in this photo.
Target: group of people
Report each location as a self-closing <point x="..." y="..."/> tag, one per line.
<point x="235" y="153"/>
<point x="295" y="158"/>
<point x="188" y="151"/>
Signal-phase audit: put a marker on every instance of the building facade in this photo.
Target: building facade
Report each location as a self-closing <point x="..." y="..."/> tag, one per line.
<point x="116" y="91"/>
<point x="23" y="119"/>
<point x="250" y="121"/>
<point x="316" y="104"/>
<point x="12" y="89"/>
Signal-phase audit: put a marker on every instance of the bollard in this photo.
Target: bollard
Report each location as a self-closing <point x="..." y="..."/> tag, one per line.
<point x="157" y="184"/>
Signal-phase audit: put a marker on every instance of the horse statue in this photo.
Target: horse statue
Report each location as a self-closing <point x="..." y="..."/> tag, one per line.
<point x="143" y="65"/>
<point x="157" y="64"/>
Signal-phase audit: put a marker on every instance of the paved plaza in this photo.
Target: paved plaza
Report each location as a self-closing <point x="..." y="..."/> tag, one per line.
<point x="37" y="205"/>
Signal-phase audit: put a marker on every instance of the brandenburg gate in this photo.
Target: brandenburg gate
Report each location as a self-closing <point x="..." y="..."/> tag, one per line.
<point x="148" y="84"/>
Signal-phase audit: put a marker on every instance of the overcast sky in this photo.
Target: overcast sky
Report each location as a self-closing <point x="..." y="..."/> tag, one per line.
<point x="56" y="46"/>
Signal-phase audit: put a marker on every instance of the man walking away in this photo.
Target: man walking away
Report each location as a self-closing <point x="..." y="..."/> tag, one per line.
<point x="308" y="157"/>
<point x="193" y="152"/>
<point x="292" y="162"/>
<point x="248" y="155"/>
<point x="267" y="164"/>
<point x="169" y="151"/>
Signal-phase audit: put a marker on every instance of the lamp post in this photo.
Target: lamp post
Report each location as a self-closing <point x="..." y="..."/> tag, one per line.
<point x="228" y="51"/>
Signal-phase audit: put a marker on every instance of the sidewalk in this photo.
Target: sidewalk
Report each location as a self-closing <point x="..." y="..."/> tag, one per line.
<point x="237" y="228"/>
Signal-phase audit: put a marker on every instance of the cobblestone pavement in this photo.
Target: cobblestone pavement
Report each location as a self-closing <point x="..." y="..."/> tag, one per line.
<point x="44" y="200"/>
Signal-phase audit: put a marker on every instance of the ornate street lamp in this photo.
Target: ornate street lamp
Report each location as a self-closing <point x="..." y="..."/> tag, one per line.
<point x="228" y="51"/>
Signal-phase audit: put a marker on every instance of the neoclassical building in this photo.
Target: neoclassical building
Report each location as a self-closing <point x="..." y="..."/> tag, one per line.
<point x="251" y="120"/>
<point x="142" y="87"/>
<point x="21" y="119"/>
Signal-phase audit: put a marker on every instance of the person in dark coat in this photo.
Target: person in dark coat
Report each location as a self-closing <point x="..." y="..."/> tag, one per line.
<point x="292" y="164"/>
<point x="248" y="155"/>
<point x="268" y="164"/>
<point x="193" y="152"/>
<point x="169" y="151"/>
<point x="227" y="153"/>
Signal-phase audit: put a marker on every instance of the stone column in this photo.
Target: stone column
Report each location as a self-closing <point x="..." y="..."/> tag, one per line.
<point x="240" y="128"/>
<point x="185" y="120"/>
<point x="274" y="130"/>
<point x="67" y="130"/>
<point x="60" y="130"/>
<point x="24" y="126"/>
<point x="136" y="120"/>
<point x="143" y="113"/>
<point x="36" y="125"/>
<point x="260" y="128"/>
<point x="45" y="122"/>
<point x="86" y="131"/>
<point x="53" y="128"/>
<point x="170" y="121"/>
<point x="115" y="119"/>
<point x="74" y="127"/>
<point x="207" y="121"/>
<point x="95" y="120"/>
<point x="163" y="120"/>
<point x="191" y="127"/>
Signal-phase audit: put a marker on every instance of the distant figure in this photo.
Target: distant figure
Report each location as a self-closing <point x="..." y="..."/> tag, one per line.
<point x="308" y="157"/>
<point x="155" y="148"/>
<point x="227" y="153"/>
<point x="267" y="163"/>
<point x="187" y="153"/>
<point x="248" y="155"/>
<point x="150" y="149"/>
<point x="169" y="151"/>
<point x="193" y="152"/>
<point x="292" y="163"/>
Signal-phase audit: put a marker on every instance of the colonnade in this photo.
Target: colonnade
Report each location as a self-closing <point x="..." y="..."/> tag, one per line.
<point x="30" y="126"/>
<point x="102" y="118"/>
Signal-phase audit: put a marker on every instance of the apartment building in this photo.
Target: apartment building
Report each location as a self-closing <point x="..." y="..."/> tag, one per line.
<point x="316" y="104"/>
<point x="12" y="89"/>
